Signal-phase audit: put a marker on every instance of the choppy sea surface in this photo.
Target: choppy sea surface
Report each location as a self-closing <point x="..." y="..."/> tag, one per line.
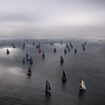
<point x="16" y="88"/>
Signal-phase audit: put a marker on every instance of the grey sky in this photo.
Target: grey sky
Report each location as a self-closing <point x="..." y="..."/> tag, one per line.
<point x="52" y="18"/>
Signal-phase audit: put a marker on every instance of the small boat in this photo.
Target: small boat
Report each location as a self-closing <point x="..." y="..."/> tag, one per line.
<point x="61" y="60"/>
<point x="33" y="43"/>
<point x="8" y="52"/>
<point x="13" y="46"/>
<point x="51" y="43"/>
<point x="64" y="77"/>
<point x="39" y="50"/>
<point x="48" y="88"/>
<point x="29" y="73"/>
<point x="27" y="56"/>
<point x="69" y="49"/>
<point x="38" y="46"/>
<point x="43" y="55"/>
<point x="71" y="46"/>
<point x="55" y="50"/>
<point x="75" y="51"/>
<point x="82" y="86"/>
<point x="31" y="61"/>
<point x="83" y="47"/>
<point x="65" y="52"/>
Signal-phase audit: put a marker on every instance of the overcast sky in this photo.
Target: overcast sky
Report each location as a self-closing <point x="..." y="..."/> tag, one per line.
<point x="52" y="19"/>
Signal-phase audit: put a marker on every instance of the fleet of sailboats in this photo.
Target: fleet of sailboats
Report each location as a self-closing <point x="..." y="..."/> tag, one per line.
<point x="29" y="59"/>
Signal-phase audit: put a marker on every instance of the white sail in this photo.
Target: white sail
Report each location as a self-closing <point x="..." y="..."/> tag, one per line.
<point x="83" y="85"/>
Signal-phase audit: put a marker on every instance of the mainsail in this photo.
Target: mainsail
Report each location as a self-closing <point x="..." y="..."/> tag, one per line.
<point x="48" y="88"/>
<point x="82" y="85"/>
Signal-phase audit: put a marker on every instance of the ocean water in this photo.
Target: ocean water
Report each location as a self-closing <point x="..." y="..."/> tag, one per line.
<point x="16" y="88"/>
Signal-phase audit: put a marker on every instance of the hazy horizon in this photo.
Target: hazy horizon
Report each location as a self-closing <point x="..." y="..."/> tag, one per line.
<point x="31" y="19"/>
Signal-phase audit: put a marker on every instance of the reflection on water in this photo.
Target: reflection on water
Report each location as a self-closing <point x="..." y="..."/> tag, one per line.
<point x="15" y="71"/>
<point x="64" y="85"/>
<point x="13" y="52"/>
<point x="16" y="87"/>
<point x="59" y="45"/>
<point x="47" y="99"/>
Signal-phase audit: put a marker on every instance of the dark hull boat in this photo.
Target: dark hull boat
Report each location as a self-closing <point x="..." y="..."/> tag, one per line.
<point x="69" y="49"/>
<point x="31" y="61"/>
<point x="54" y="50"/>
<point x="39" y="50"/>
<point x="65" y="52"/>
<point x="48" y="88"/>
<point x="75" y="51"/>
<point x="83" y="47"/>
<point x="29" y="73"/>
<point x="43" y="55"/>
<point x="61" y="60"/>
<point x="64" y="77"/>
<point x="8" y="52"/>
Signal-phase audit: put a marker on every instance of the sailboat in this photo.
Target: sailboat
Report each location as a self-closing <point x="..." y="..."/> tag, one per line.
<point x="48" y="88"/>
<point x="54" y="50"/>
<point x="63" y="77"/>
<point x="82" y="86"/>
<point x="8" y="52"/>
<point x="71" y="46"/>
<point x="68" y="49"/>
<point x="65" y="52"/>
<point x="83" y="47"/>
<point x="61" y="60"/>
<point x="67" y="46"/>
<point x="29" y="72"/>
<point x="43" y="55"/>
<point x="39" y="50"/>
<point x="75" y="51"/>
<point x="31" y="61"/>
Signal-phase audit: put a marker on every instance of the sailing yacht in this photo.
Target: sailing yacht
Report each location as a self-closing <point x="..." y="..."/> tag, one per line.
<point x="82" y="86"/>
<point x="63" y="77"/>
<point x="54" y="50"/>
<point x="29" y="73"/>
<point x="48" y="88"/>
<point x="61" y="60"/>
<point x="43" y="55"/>
<point x="8" y="52"/>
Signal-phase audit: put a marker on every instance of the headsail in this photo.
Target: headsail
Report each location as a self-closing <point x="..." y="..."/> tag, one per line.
<point x="82" y="85"/>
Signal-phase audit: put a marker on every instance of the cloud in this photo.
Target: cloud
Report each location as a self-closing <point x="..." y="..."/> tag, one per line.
<point x="52" y="18"/>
